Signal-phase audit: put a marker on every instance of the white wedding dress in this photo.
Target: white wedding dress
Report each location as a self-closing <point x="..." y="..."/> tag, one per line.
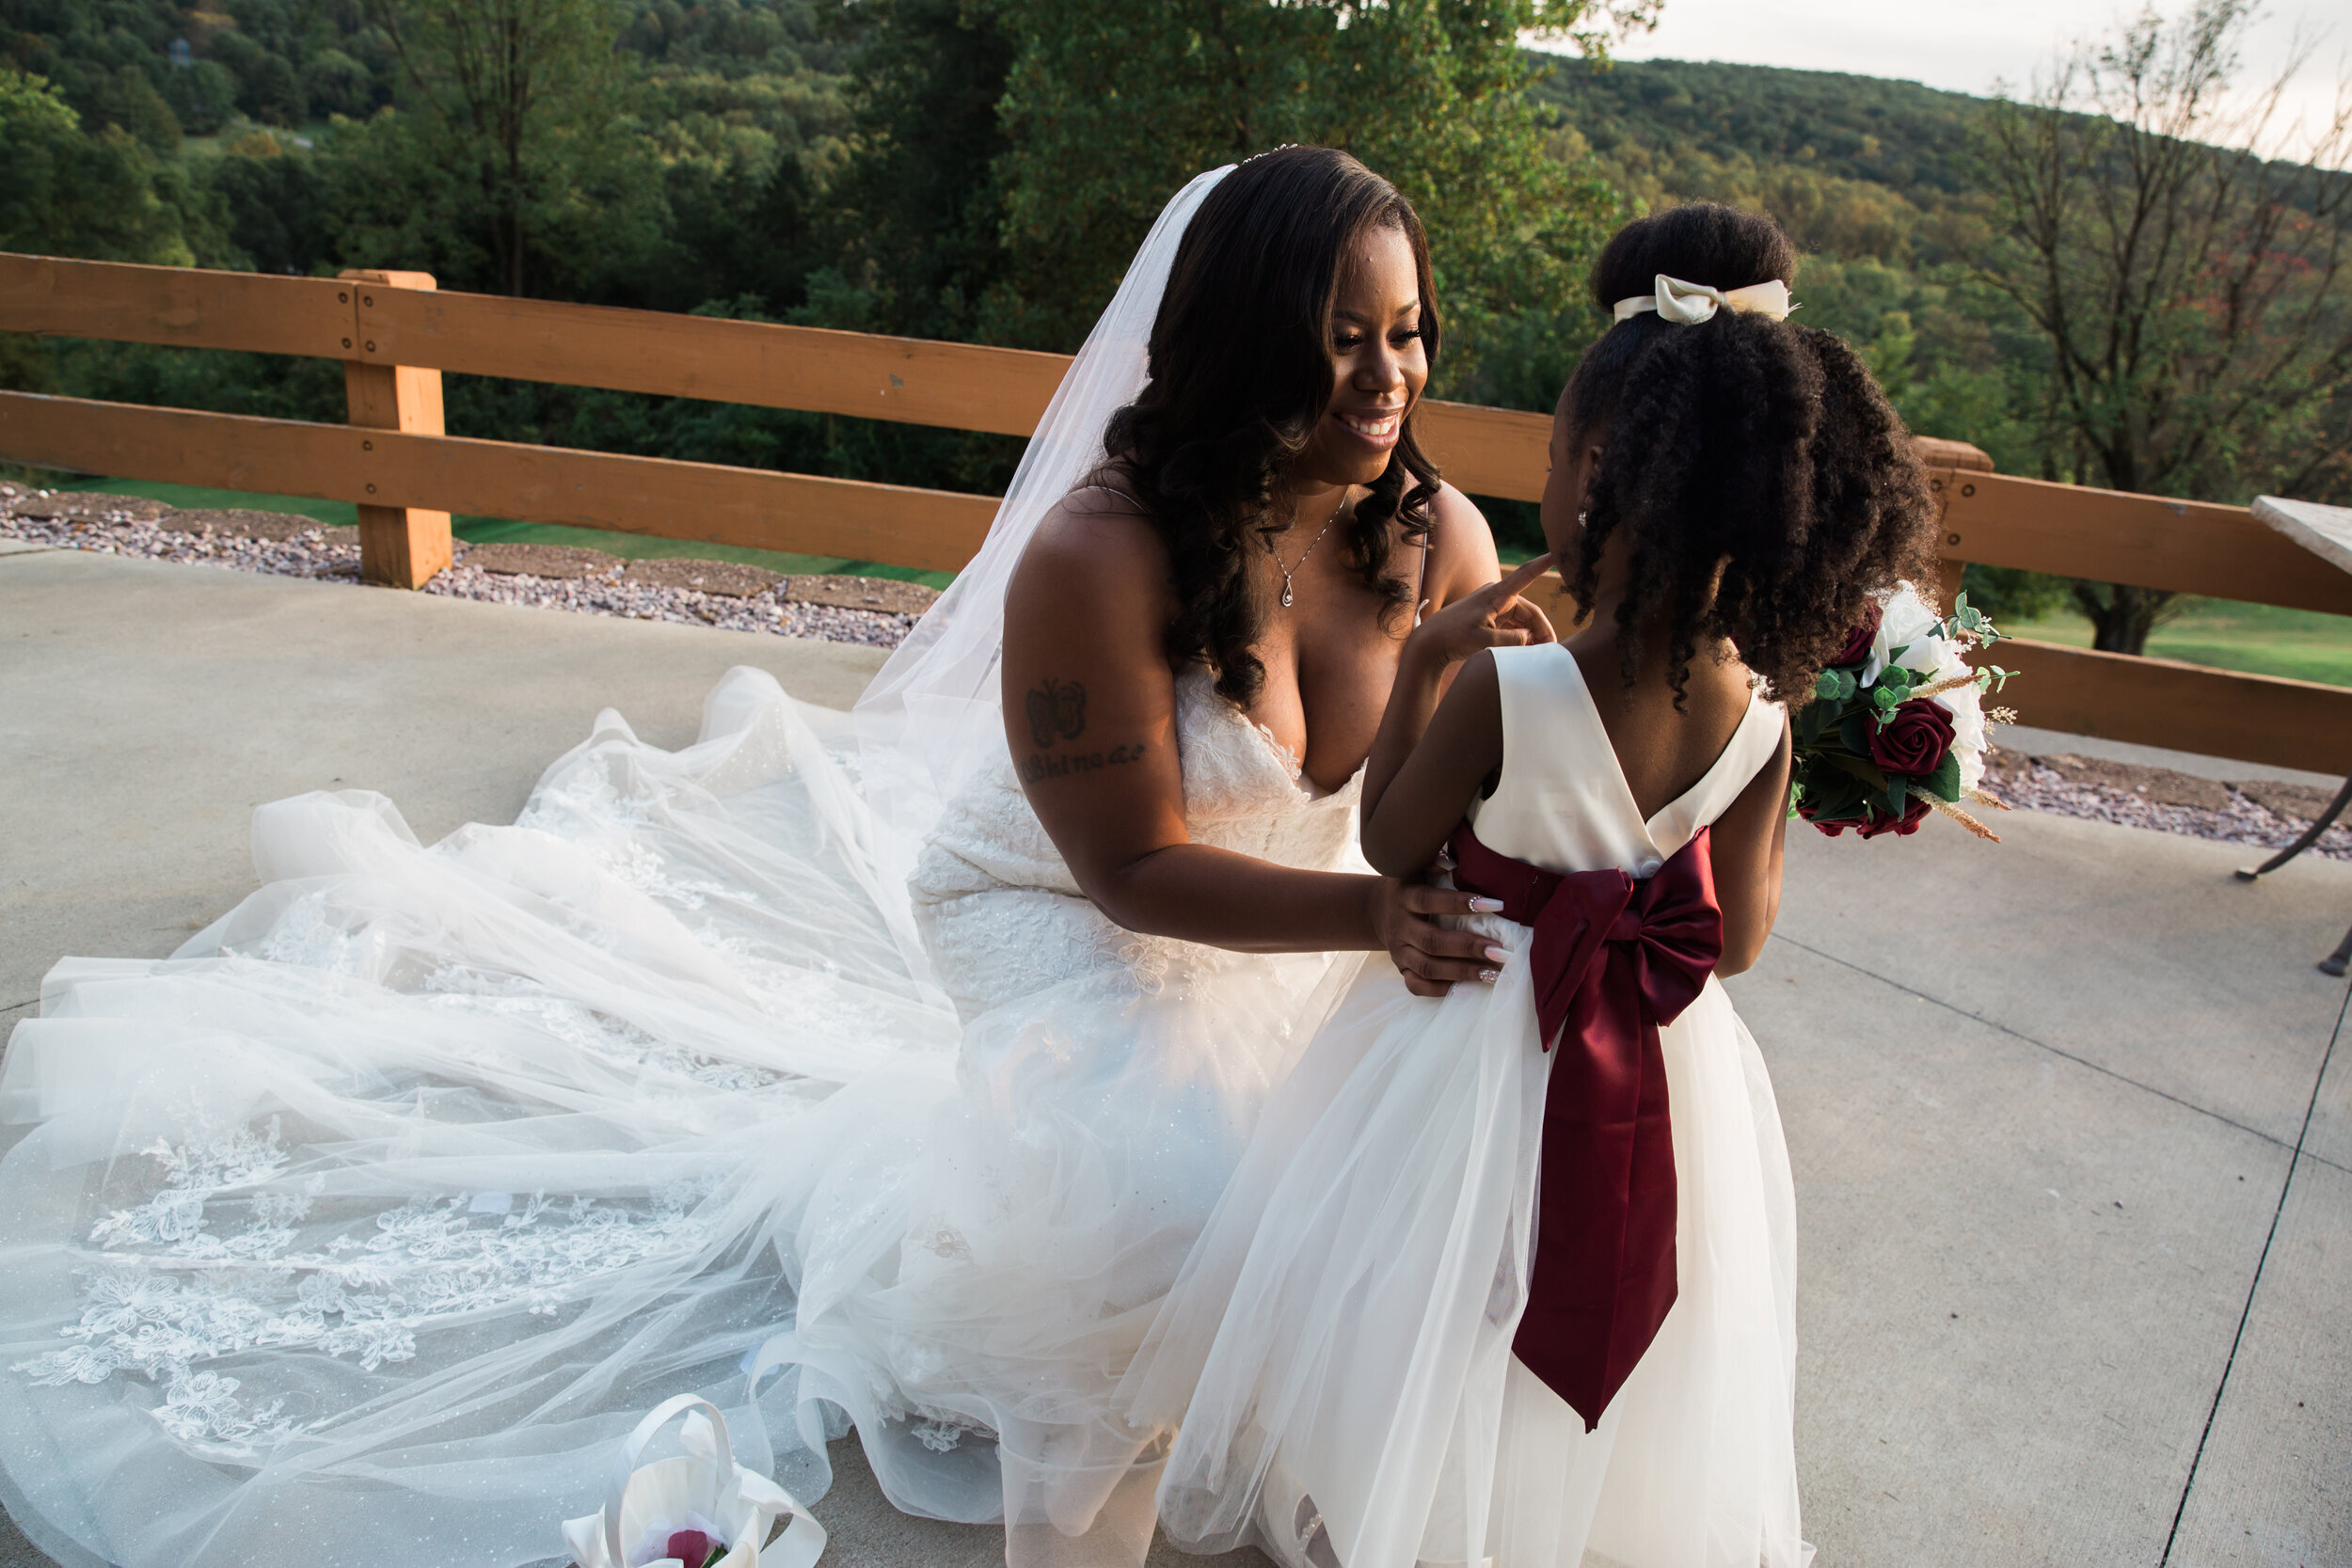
<point x="358" y="1233"/>
<point x="1339" y="1349"/>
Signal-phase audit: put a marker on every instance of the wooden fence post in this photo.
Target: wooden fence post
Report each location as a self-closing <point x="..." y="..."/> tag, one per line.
<point x="402" y="546"/>
<point x="1951" y="466"/>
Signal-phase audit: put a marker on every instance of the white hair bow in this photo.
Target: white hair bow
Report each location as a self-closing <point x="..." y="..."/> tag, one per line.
<point x="1692" y="303"/>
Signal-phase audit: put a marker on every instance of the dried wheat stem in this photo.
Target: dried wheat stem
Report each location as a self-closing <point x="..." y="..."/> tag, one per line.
<point x="1964" y="819"/>
<point x="1993" y="801"/>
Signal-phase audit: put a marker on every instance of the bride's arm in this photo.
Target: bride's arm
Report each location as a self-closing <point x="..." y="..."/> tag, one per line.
<point x="1091" y="716"/>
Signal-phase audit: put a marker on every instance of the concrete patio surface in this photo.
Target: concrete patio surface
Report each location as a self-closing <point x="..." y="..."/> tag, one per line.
<point x="2071" y="1115"/>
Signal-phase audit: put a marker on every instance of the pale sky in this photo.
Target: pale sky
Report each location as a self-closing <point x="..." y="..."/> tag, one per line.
<point x="1967" y="47"/>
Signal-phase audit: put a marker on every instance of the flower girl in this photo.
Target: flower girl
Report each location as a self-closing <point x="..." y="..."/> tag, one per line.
<point x="1510" y="1276"/>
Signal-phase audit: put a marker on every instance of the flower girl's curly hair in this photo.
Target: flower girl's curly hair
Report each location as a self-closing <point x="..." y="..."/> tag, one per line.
<point x="1241" y="373"/>
<point x="1759" y="448"/>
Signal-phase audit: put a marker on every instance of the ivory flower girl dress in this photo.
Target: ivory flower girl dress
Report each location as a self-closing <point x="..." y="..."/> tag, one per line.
<point x="1340" y="1348"/>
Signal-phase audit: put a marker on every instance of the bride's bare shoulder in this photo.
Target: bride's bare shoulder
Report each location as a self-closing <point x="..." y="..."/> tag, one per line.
<point x="1098" y="539"/>
<point x="1462" y="554"/>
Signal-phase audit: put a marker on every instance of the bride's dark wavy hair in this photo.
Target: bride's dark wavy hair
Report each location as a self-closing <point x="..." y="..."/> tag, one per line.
<point x="1758" y="448"/>
<point x="1241" y="371"/>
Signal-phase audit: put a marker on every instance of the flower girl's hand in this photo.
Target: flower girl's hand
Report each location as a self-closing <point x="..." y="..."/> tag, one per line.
<point x="1494" y="617"/>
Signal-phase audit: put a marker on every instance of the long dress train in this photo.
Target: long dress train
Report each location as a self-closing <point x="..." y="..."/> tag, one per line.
<point x="358" y="1230"/>
<point x="362" y="1229"/>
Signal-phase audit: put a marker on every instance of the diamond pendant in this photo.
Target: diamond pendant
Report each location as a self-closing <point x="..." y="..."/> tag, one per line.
<point x="1286" y="590"/>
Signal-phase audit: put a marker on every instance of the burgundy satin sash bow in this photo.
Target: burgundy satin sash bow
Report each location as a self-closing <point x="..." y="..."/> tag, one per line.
<point x="1614" y="959"/>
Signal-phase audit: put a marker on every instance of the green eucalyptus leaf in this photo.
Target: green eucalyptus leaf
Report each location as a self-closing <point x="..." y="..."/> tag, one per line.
<point x="1854" y="731"/>
<point x="1944" y="783"/>
<point x="1832" y="795"/>
<point x="1868" y="772"/>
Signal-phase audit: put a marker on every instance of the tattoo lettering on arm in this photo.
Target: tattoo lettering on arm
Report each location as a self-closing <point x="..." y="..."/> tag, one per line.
<point x="1039" y="767"/>
<point x="1056" y="708"/>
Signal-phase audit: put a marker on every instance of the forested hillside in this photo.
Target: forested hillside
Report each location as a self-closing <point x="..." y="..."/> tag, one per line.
<point x="827" y="163"/>
<point x="1899" y="134"/>
<point x="973" y="169"/>
<point x="1874" y="179"/>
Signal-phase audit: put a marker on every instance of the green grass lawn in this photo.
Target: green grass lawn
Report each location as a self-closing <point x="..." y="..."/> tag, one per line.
<point x="2260" y="639"/>
<point x="484" y="531"/>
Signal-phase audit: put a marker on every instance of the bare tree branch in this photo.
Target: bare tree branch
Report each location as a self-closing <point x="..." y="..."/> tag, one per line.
<point x="2186" y="260"/>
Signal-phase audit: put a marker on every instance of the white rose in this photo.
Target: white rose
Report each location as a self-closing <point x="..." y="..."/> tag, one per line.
<point x="1907" y="622"/>
<point x="1965" y="705"/>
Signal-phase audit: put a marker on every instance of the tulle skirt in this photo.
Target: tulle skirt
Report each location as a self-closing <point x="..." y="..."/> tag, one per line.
<point x="1338" y="1348"/>
<point x="362" y="1229"/>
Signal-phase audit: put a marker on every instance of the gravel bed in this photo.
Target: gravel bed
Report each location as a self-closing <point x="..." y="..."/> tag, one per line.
<point x="332" y="555"/>
<point x="2033" y="784"/>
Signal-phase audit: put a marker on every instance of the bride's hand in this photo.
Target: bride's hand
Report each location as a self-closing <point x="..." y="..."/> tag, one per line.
<point x="1493" y="617"/>
<point x="1432" y="958"/>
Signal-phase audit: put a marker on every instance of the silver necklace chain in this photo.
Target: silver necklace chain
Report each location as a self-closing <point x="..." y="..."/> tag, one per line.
<point x="1286" y="571"/>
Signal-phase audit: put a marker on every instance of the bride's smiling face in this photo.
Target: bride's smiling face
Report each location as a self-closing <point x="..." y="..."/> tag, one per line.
<point x="1379" y="363"/>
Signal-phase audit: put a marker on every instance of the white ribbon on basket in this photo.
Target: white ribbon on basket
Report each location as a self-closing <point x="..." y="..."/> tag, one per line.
<point x="1690" y="303"/>
<point x="704" y="1483"/>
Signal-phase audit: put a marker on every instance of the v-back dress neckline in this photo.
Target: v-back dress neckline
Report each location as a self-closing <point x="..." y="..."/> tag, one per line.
<point x="1563" y="802"/>
<point x="1733" y="755"/>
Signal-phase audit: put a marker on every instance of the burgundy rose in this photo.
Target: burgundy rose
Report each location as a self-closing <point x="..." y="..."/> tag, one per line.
<point x="1832" y="827"/>
<point x="692" y="1546"/>
<point x="1857" y="646"/>
<point x="1914" y="740"/>
<point x="1916" y="810"/>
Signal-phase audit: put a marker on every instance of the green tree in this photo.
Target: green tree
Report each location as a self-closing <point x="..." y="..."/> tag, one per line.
<point x="2196" y="299"/>
<point x="64" y="191"/>
<point x="528" y="106"/>
<point x="1109" y="109"/>
<point x="917" y="213"/>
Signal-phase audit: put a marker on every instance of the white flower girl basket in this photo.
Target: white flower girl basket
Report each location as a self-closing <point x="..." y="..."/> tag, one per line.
<point x="703" y="1490"/>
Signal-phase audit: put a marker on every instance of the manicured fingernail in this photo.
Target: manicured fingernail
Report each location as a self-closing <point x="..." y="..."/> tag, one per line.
<point x="1491" y="976"/>
<point x="1486" y="906"/>
<point x="1498" y="955"/>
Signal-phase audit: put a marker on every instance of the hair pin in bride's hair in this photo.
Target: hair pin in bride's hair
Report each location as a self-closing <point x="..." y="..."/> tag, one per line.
<point x="1689" y="304"/>
<point x="1284" y="147"/>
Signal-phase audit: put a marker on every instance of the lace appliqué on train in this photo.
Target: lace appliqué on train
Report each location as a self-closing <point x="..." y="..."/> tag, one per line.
<point x="175" y="1286"/>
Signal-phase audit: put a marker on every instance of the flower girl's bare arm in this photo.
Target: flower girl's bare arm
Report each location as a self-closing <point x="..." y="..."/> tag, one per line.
<point x="1494" y="616"/>
<point x="1431" y="787"/>
<point x="1745" y="846"/>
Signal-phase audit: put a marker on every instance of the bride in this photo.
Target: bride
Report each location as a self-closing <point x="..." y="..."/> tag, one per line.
<point x="902" y="1055"/>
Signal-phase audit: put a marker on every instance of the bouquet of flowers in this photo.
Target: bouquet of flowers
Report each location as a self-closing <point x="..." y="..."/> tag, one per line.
<point x="1897" y="727"/>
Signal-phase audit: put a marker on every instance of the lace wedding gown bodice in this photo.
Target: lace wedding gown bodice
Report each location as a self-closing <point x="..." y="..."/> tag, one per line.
<point x="1001" y="916"/>
<point x="358" y="1232"/>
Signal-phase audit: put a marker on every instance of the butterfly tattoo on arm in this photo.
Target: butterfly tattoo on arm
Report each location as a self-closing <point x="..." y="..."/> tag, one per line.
<point x="1056" y="708"/>
<point x="1057" y="712"/>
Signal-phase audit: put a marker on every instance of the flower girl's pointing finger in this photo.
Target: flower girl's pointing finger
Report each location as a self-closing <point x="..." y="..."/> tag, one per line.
<point x="1523" y="573"/>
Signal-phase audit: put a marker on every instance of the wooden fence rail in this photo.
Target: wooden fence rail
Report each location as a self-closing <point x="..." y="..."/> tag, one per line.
<point x="395" y="334"/>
